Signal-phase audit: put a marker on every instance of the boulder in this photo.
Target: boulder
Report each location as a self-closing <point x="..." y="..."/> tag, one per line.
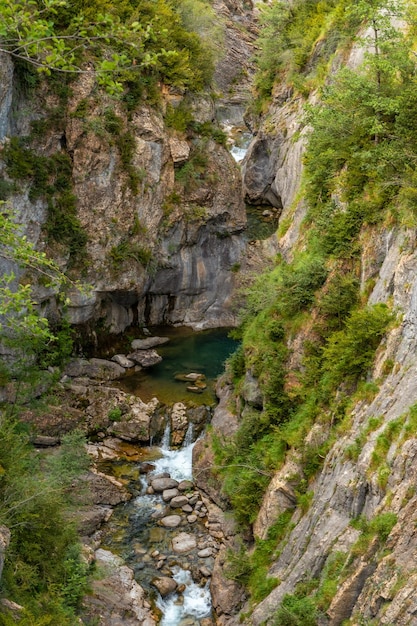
<point x="43" y="441"/>
<point x="179" y="423"/>
<point x="184" y="543"/>
<point x="105" y="489"/>
<point x="149" y="342"/>
<point x="145" y="358"/>
<point x="165" y="585"/>
<point x="116" y="598"/>
<point x="178" y="501"/>
<point x="185" y="485"/>
<point x="90" y="519"/>
<point x="251" y="391"/>
<point x="122" y="360"/>
<point x="171" y="521"/>
<point x="180" y="149"/>
<point x="161" y="484"/>
<point x="94" y="368"/>
<point x="168" y="494"/>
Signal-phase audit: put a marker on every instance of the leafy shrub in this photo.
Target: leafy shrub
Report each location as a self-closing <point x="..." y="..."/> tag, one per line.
<point x="128" y="250"/>
<point x="115" y="414"/>
<point x="349" y="352"/>
<point x="43" y="569"/>
<point x="296" y="611"/>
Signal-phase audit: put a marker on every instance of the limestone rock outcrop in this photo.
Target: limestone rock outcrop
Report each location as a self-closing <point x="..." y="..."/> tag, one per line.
<point x="116" y="598"/>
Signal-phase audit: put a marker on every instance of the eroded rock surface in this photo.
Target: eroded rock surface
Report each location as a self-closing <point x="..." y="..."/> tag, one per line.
<point x="116" y="598"/>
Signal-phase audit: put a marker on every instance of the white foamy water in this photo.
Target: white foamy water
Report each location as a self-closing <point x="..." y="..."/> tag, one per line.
<point x="178" y="463"/>
<point x="196" y="601"/>
<point x="238" y="153"/>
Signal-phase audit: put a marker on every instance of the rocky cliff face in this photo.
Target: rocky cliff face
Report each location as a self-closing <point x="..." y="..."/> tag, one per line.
<point x="161" y="210"/>
<point x="382" y="584"/>
<point x="369" y="471"/>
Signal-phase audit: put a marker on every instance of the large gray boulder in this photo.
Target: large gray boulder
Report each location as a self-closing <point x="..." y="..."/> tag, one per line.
<point x="145" y="358"/>
<point x="116" y="598"/>
<point x="149" y="342"/>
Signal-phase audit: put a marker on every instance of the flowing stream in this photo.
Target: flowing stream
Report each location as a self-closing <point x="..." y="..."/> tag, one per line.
<point x="133" y="532"/>
<point x="137" y="530"/>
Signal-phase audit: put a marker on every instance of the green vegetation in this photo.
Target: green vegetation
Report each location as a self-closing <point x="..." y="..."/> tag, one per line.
<point x="378" y="528"/>
<point x="298" y="41"/>
<point x="44" y="570"/>
<point x="129" y="250"/>
<point x="308" y="336"/>
<point x="131" y="47"/>
<point x="295" y="611"/>
<point x="195" y="169"/>
<point x="49" y="178"/>
<point x="252" y="569"/>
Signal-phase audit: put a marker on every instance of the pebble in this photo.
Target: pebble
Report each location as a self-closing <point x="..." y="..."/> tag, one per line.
<point x="168" y="494"/>
<point x="171" y="521"/>
<point x="185" y="485"/>
<point x="187" y="508"/>
<point x="191" y="519"/>
<point x="205" y="572"/>
<point x="205" y="553"/>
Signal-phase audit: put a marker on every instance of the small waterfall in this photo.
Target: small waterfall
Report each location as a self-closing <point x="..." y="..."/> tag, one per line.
<point x="189" y="435"/>
<point x="166" y="437"/>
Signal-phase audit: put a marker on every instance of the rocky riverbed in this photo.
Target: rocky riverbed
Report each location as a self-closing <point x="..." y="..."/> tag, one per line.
<point x="173" y="541"/>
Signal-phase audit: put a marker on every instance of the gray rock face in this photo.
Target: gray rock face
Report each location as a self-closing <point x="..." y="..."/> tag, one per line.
<point x="259" y="171"/>
<point x="150" y="258"/>
<point x="116" y="598"/>
<point x="6" y="92"/>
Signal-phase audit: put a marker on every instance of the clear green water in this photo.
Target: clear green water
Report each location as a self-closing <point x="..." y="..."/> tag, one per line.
<point x="187" y="351"/>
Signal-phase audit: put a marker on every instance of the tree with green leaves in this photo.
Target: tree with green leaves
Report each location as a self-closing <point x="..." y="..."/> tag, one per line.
<point x="28" y="32"/>
<point x="117" y="41"/>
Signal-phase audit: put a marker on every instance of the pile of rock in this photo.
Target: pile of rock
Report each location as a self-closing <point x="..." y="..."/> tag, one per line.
<point x="143" y="355"/>
<point x="179" y="496"/>
<point x="195" y="380"/>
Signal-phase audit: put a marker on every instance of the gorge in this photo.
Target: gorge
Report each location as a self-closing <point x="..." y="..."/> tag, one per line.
<point x="304" y="470"/>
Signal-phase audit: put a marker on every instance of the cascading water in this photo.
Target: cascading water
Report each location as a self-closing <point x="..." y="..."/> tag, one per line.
<point x="192" y="601"/>
<point x="196" y="601"/>
<point x="177" y="463"/>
